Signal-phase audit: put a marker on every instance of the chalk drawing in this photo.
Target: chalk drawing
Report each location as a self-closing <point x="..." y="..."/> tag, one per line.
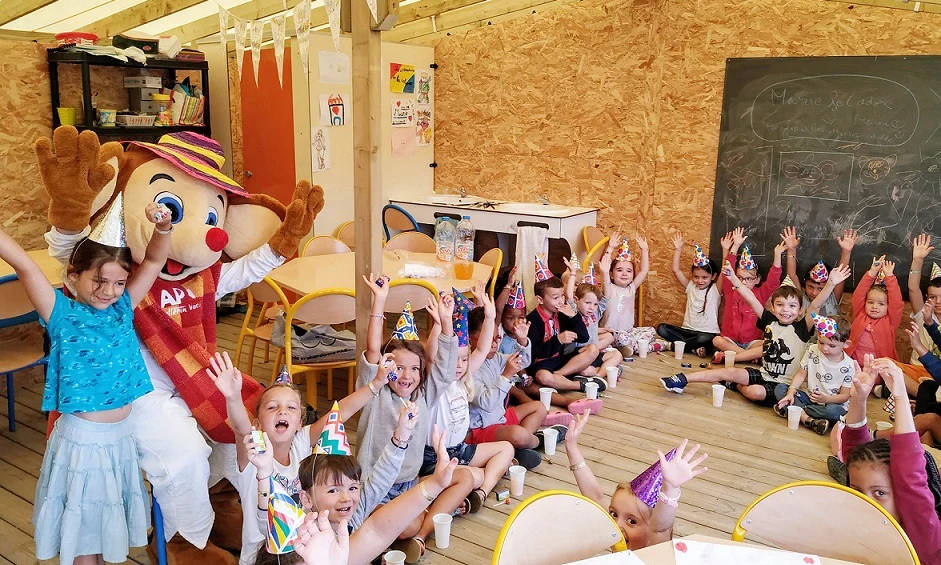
<point x="806" y="174"/>
<point x="875" y="169"/>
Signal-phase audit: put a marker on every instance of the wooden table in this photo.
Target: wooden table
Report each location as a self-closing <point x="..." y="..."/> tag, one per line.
<point x="304" y="275"/>
<point x="662" y="553"/>
<point x="50" y="267"/>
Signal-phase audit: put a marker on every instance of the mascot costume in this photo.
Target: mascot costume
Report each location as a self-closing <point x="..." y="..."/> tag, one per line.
<point x="183" y="421"/>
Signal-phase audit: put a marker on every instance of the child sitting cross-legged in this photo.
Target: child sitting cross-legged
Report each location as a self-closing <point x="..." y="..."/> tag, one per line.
<point x="828" y="371"/>
<point x="817" y="275"/>
<point x="585" y="297"/>
<point x="877" y="312"/>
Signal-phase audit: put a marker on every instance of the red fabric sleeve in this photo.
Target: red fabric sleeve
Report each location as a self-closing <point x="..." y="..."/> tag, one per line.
<point x="913" y="499"/>
<point x="896" y="304"/>
<point x="859" y="294"/>
<point x="853" y="437"/>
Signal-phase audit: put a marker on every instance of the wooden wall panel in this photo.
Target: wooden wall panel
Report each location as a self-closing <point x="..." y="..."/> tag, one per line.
<point x="235" y="111"/>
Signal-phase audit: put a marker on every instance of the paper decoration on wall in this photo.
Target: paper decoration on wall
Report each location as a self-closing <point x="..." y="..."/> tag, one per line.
<point x="320" y="148"/>
<point x="332" y="110"/>
<point x="373" y="9"/>
<point x="258" y="32"/>
<point x="334" y="67"/>
<point x="277" y="33"/>
<point x="424" y="131"/>
<point x="424" y="87"/>
<point x="403" y="142"/>
<point x="302" y="26"/>
<point x="241" y="28"/>
<point x="333" y="19"/>
<point x="223" y="22"/>
<point x="401" y="78"/>
<point x="403" y="114"/>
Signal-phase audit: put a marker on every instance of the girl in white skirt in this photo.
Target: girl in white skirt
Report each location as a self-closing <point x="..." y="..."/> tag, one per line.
<point x="91" y="504"/>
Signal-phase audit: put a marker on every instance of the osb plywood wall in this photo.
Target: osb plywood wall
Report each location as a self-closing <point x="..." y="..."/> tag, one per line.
<point x="235" y="112"/>
<point x="616" y="104"/>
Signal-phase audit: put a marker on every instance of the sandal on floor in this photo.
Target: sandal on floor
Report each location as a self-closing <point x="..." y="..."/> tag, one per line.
<point x="582" y="381"/>
<point x="579" y="406"/>
<point x="558" y="417"/>
<point x="477" y="497"/>
<point x="718" y="357"/>
<point x="700" y="352"/>
<point x="464" y="508"/>
<point x="414" y="549"/>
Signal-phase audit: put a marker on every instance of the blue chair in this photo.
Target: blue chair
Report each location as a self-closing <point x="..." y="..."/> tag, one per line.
<point x="397" y="218"/>
<point x="160" y="540"/>
<point x="15" y="310"/>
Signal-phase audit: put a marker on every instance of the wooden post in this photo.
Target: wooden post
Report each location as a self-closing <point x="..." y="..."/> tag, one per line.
<point x="367" y="179"/>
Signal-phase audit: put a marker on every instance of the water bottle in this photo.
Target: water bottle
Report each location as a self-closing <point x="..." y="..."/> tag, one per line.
<point x="464" y="249"/>
<point x="444" y="244"/>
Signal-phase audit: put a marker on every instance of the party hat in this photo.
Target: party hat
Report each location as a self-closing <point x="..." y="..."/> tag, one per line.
<point x="333" y="437"/>
<point x="624" y="252"/>
<point x="646" y="486"/>
<point x="576" y="265"/>
<point x="462" y="307"/>
<point x="542" y="271"/>
<point x="880" y="277"/>
<point x="819" y="273"/>
<point x="788" y="282"/>
<point x="746" y="261"/>
<point x="283" y="378"/>
<point x="935" y="271"/>
<point x="110" y="229"/>
<point x="590" y="275"/>
<point x="516" y="299"/>
<point x="285" y="516"/>
<point x="825" y="326"/>
<point x="700" y="259"/>
<point x="405" y="328"/>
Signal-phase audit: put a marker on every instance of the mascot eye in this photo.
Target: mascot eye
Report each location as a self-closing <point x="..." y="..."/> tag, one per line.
<point x="213" y="218"/>
<point x="173" y="202"/>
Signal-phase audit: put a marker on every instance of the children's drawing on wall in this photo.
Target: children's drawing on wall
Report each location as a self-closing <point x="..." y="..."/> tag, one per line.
<point x="424" y="87"/>
<point x="403" y="142"/>
<point x="424" y="130"/>
<point x="401" y="78"/>
<point x="332" y="110"/>
<point x="320" y="149"/>
<point x="334" y="67"/>
<point x="403" y="113"/>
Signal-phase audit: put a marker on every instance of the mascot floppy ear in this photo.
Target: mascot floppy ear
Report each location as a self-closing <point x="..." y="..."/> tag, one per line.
<point x="250" y="223"/>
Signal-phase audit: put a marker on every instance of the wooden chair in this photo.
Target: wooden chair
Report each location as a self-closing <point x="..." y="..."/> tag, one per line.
<point x="790" y="516"/>
<point x="267" y="295"/>
<point x="324" y="245"/>
<point x="329" y="306"/>
<point x="589" y="530"/>
<point x="592" y="236"/>
<point x="346" y="234"/>
<point x="397" y="218"/>
<point x="414" y="241"/>
<point x="415" y="291"/>
<point x="16" y="355"/>
<point x="493" y="258"/>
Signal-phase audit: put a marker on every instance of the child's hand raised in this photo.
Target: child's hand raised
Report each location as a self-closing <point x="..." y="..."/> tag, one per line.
<point x="479" y="291"/>
<point x="780" y="248"/>
<point x="839" y="274"/>
<point x="432" y="308"/>
<point x="790" y="239"/>
<point x="225" y="376"/>
<point x="521" y="330"/>
<point x="262" y="460"/>
<point x="641" y="242"/>
<point x="914" y="337"/>
<point x="927" y="313"/>
<point x="490" y="309"/>
<point x="575" y="429"/>
<point x="738" y="236"/>
<point x="728" y="271"/>
<point x="605" y="263"/>
<point x="876" y="265"/>
<point x="614" y="241"/>
<point x="159" y="215"/>
<point x="892" y="375"/>
<point x="317" y="542"/>
<point x="678" y="241"/>
<point x="408" y="418"/>
<point x="568" y="266"/>
<point x="888" y="268"/>
<point x="386" y="367"/>
<point x="682" y="467"/>
<point x="921" y="246"/>
<point x="378" y="291"/>
<point x="849" y="240"/>
<point x="726" y="243"/>
<point x="864" y="379"/>
<point x="445" y="466"/>
<point x="511" y="280"/>
<point x="446" y="306"/>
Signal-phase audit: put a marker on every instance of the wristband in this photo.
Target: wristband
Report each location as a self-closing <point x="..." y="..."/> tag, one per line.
<point x="399" y="444"/>
<point x="377" y="316"/>
<point x="674" y="502"/>
<point x="372" y="389"/>
<point x="580" y="465"/>
<point x="424" y="492"/>
<point x="914" y="271"/>
<point x="857" y="425"/>
<point x="161" y="232"/>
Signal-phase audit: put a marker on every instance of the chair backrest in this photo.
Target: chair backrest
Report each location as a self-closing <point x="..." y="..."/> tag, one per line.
<point x="414" y="241"/>
<point x="522" y="540"/>
<point x="415" y="291"/>
<point x="593" y="255"/>
<point x="397" y="218"/>
<point x="493" y="258"/>
<point x="15" y="307"/>
<point x="807" y="516"/>
<point x="324" y="245"/>
<point x="261" y="293"/>
<point x="591" y="236"/>
<point x="347" y="234"/>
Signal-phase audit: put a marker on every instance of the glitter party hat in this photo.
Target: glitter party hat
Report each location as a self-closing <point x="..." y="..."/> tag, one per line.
<point x="788" y="282"/>
<point x="590" y="275"/>
<point x="333" y="439"/>
<point x="283" y="378"/>
<point x="542" y="271"/>
<point x="110" y="229"/>
<point x="624" y="252"/>
<point x="825" y="326"/>
<point x="462" y="307"/>
<point x="576" y="265"/>
<point x="646" y="486"/>
<point x="700" y="259"/>
<point x="516" y="299"/>
<point x="819" y="273"/>
<point x="746" y="261"/>
<point x="935" y="271"/>
<point x="405" y="328"/>
<point x="285" y="516"/>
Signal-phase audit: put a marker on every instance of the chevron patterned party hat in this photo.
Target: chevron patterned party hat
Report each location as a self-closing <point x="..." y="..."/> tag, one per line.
<point x="285" y="516"/>
<point x="333" y="437"/>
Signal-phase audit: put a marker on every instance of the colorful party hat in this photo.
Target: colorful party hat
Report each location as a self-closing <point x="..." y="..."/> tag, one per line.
<point x="624" y="252"/>
<point x="516" y="299"/>
<point x="700" y="259"/>
<point x="285" y="516"/>
<point x="880" y="277"/>
<point x="935" y="271"/>
<point x="110" y="229"/>
<point x="745" y="261"/>
<point x="542" y="271"/>
<point x="646" y="486"/>
<point x="819" y="273"/>
<point x="788" y="282"/>
<point x="576" y="265"/>
<point x="333" y="437"/>
<point x="283" y="378"/>
<point x="405" y="328"/>
<point x="590" y="275"/>
<point x="825" y="326"/>
<point x="462" y="307"/>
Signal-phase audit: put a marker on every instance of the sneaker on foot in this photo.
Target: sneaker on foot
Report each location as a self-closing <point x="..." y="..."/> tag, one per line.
<point x="675" y="383"/>
<point x="837" y="470"/>
<point x="820" y="425"/>
<point x="733" y="386"/>
<point x="582" y="381"/>
<point x="528" y="458"/>
<point x="780" y="410"/>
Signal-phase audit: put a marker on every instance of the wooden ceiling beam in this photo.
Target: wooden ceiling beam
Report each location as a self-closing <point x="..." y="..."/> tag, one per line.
<point x="137" y="16"/>
<point x="478" y="14"/>
<point x="16" y="35"/>
<point x="13" y="9"/>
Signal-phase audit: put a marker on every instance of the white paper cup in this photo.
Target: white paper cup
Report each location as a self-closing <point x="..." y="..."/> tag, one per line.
<point x="551" y="438"/>
<point x="729" y="359"/>
<point x="678" y="347"/>
<point x="517" y="478"/>
<point x="545" y="395"/>
<point x="442" y="530"/>
<point x="718" y="393"/>
<point x="794" y="417"/>
<point x="612" y="374"/>
<point x="394" y="557"/>
<point x="883" y="426"/>
<point x="642" y="346"/>
<point x="591" y="390"/>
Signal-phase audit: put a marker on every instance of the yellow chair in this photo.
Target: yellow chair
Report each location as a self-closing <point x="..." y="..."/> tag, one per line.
<point x="268" y="296"/>
<point x="324" y="245"/>
<point x="346" y="233"/>
<point x="415" y="291"/>
<point x="414" y="241"/>
<point x="494" y="259"/>
<point x="826" y="519"/>
<point x="16" y="355"/>
<point x="589" y="530"/>
<point x="329" y="306"/>
<point x="591" y="236"/>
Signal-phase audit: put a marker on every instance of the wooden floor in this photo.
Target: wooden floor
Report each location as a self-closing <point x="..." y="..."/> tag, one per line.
<point x="750" y="451"/>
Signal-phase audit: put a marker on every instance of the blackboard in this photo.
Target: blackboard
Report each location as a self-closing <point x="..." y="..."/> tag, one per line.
<point x="829" y="143"/>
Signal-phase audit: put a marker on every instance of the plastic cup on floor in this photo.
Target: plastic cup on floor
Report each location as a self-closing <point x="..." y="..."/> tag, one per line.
<point x="729" y="359"/>
<point x="545" y="395"/>
<point x="517" y="479"/>
<point x="678" y="347"/>
<point x="550" y="439"/>
<point x="442" y="530"/>
<point x="612" y="374"/>
<point x="643" y="345"/>
<point x="718" y="393"/>
<point x="794" y="417"/>
<point x="591" y="390"/>
<point x="394" y="557"/>
<point x="883" y="426"/>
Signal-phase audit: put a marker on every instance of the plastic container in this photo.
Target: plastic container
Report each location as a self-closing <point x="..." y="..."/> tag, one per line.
<point x="464" y="249"/>
<point x="76" y="38"/>
<point x="130" y="121"/>
<point x="445" y="236"/>
<point x="162" y="103"/>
